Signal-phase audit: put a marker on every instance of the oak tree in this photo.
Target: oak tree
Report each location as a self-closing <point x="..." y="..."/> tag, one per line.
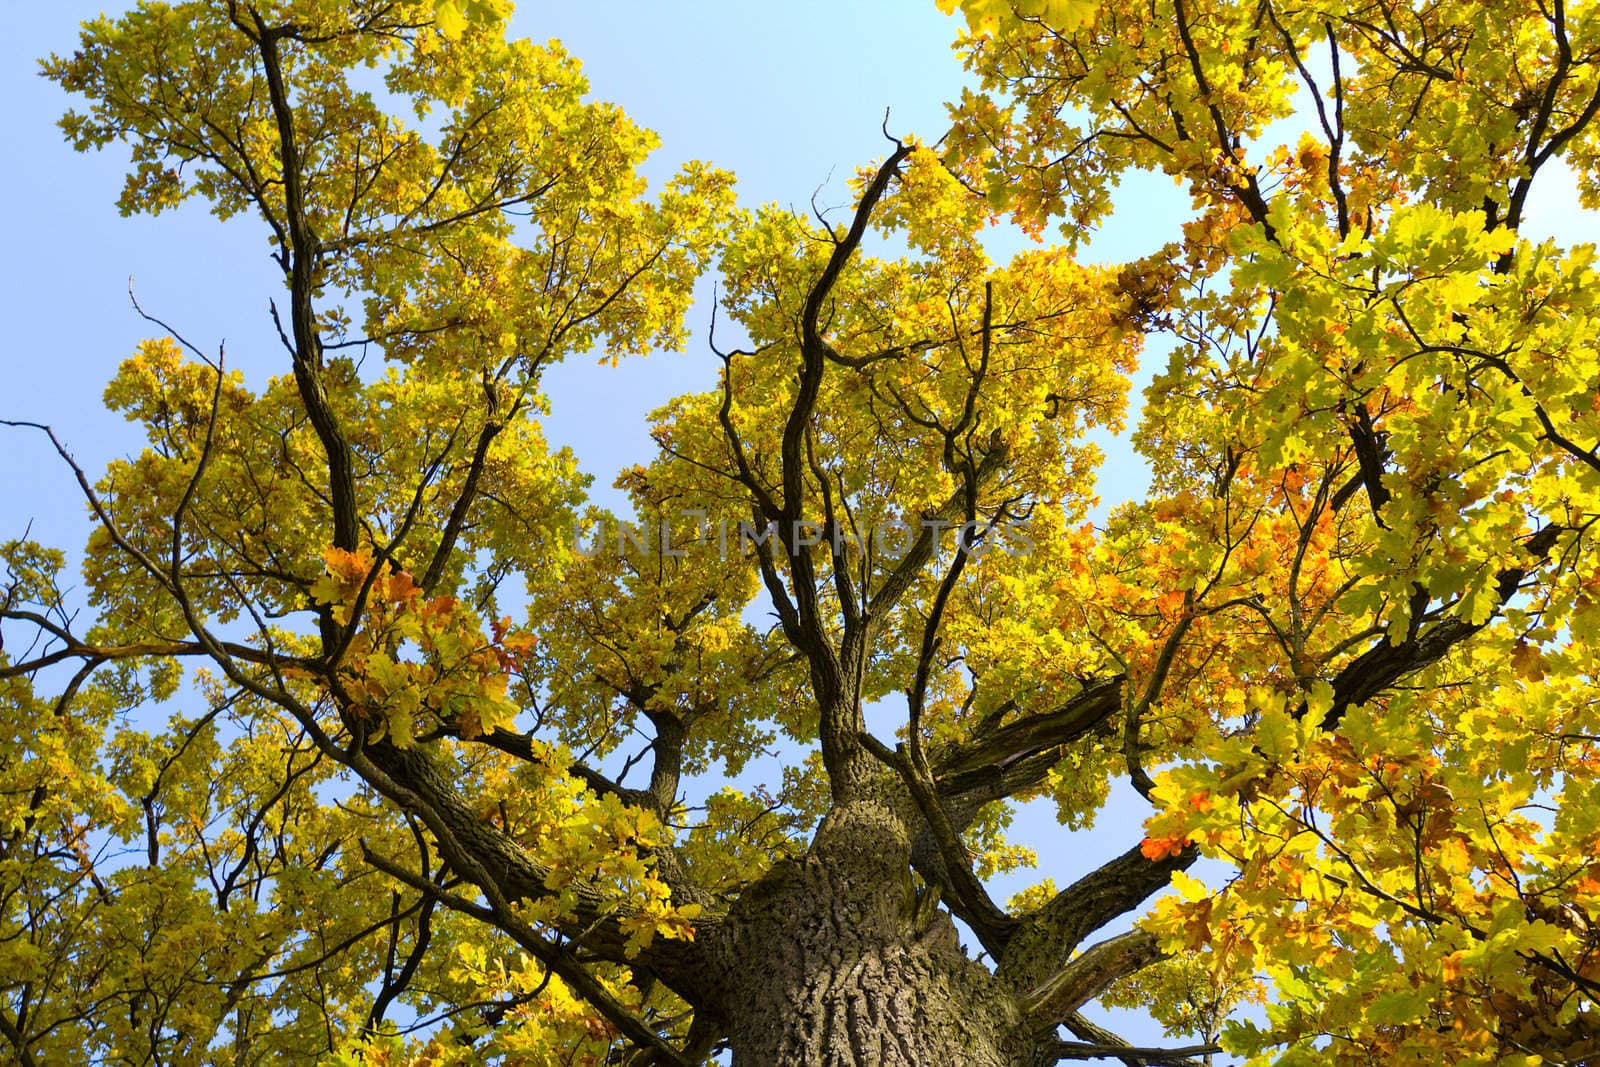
<point x="338" y="771"/>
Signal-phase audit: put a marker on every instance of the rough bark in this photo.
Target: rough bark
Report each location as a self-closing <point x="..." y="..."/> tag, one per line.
<point x="836" y="959"/>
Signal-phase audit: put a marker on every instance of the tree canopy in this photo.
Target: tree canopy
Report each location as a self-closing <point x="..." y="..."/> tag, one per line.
<point x="342" y="764"/>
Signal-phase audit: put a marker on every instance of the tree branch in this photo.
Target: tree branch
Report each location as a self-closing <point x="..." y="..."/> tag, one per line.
<point x="303" y="257"/>
<point x="1050" y="934"/>
<point x="1083" y="977"/>
<point x="1107" y="1045"/>
<point x="983" y="761"/>
<point x="1387" y="662"/>
<point x="553" y="958"/>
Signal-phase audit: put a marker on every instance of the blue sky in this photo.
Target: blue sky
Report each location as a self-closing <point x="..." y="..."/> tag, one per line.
<point x="789" y="97"/>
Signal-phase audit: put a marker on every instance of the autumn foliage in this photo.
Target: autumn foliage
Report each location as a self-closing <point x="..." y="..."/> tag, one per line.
<point x="345" y="764"/>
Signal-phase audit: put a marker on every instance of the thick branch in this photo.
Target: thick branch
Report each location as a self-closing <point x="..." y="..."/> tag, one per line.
<point x="521" y="746"/>
<point x="1387" y="662"/>
<point x="553" y="958"/>
<point x="984" y="762"/>
<point x="968" y="898"/>
<point x="480" y="852"/>
<point x="1049" y="935"/>
<point x="1370" y="454"/>
<point x="840" y="712"/>
<point x="1086" y="975"/>
<point x="18" y="1041"/>
<point x="303" y="255"/>
<point x="1100" y="1043"/>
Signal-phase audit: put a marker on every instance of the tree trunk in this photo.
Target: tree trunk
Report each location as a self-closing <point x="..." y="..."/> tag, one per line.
<point x="834" y="959"/>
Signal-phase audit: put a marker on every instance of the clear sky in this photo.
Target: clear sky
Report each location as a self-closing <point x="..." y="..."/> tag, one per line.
<point x="790" y="97"/>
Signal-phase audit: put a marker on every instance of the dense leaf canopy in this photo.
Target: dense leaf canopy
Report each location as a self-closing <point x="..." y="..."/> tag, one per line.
<point x="333" y="770"/>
